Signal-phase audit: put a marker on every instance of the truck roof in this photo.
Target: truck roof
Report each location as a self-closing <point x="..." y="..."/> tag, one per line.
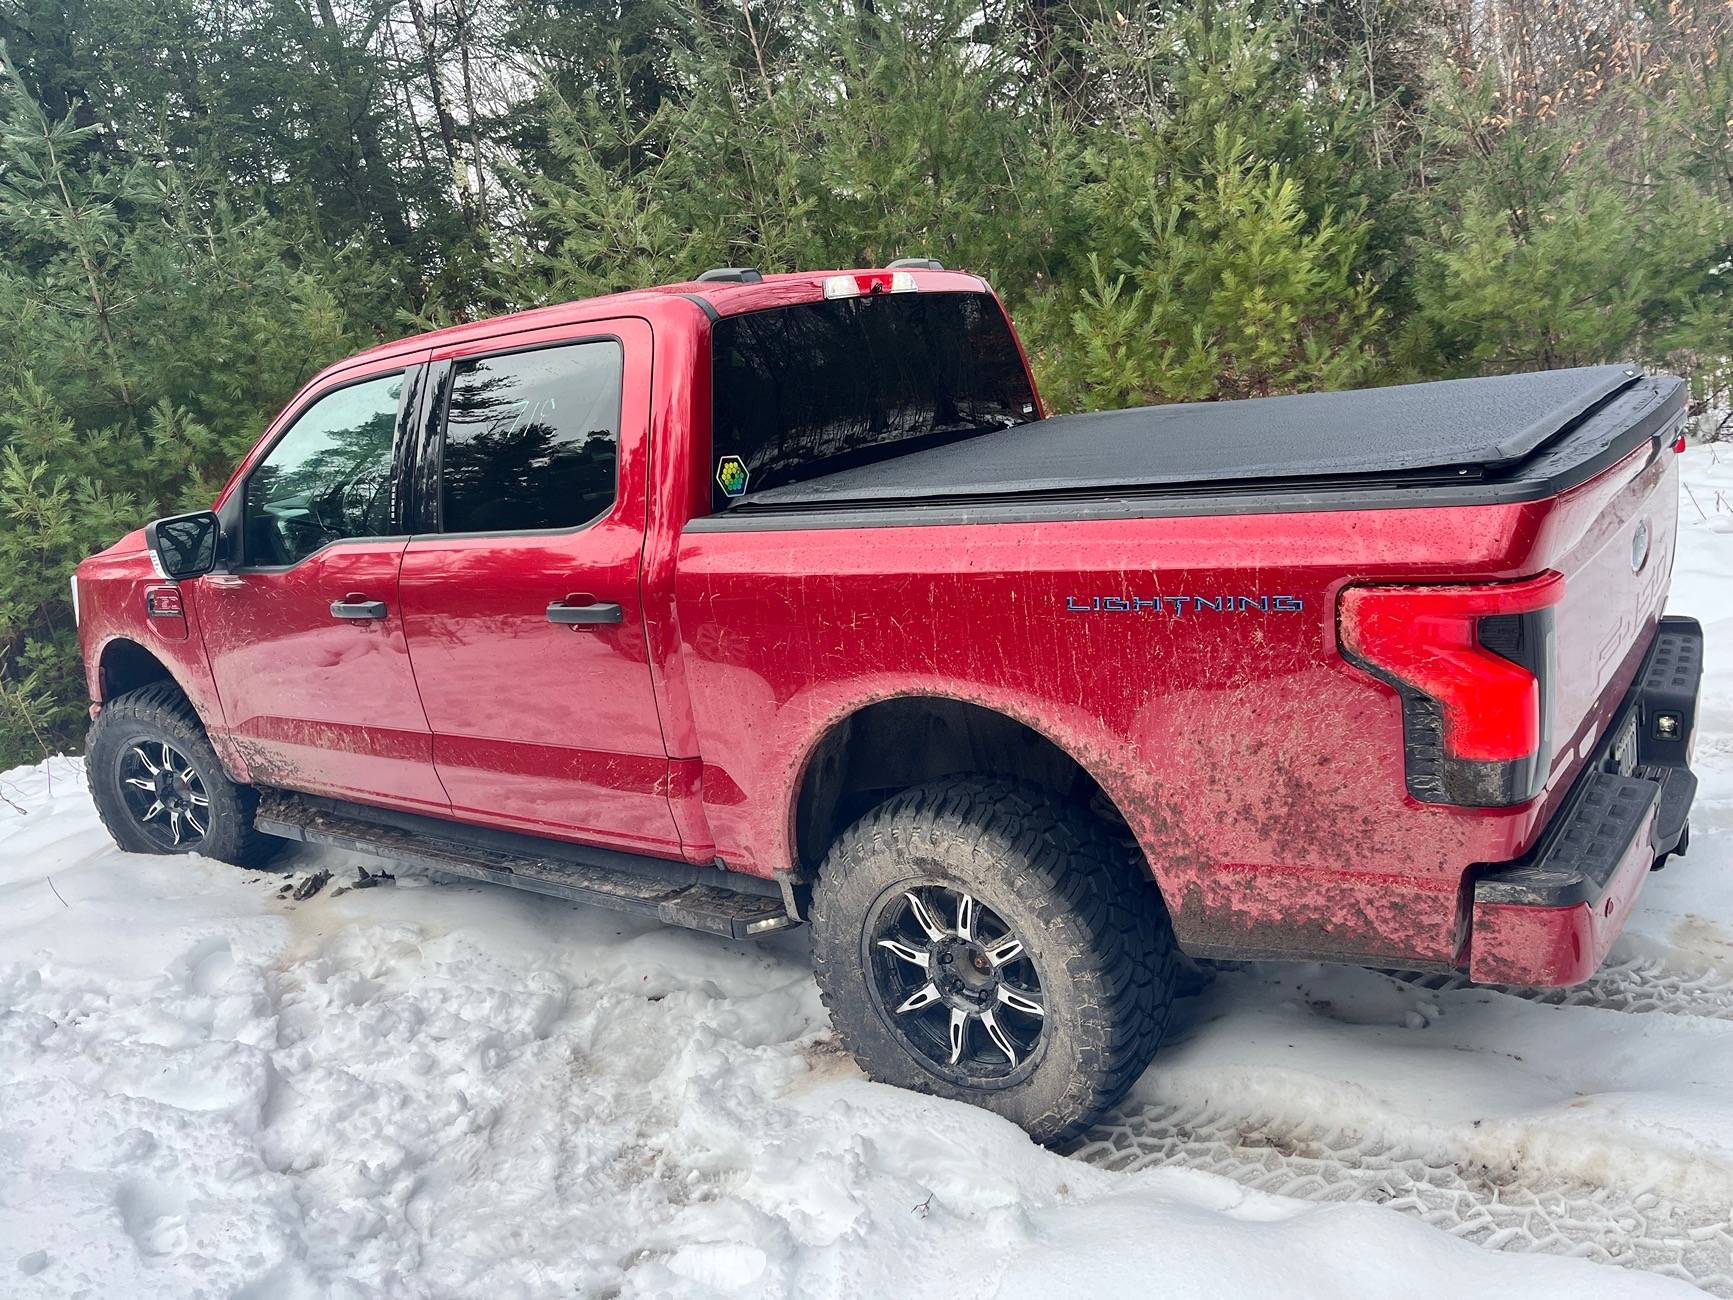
<point x="715" y="297"/>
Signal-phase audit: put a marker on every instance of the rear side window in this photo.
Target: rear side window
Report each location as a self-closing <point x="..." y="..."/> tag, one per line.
<point x="810" y="389"/>
<point x="532" y="439"/>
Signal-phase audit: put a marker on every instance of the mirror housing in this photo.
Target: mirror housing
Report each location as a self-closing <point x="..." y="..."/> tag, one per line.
<point x="184" y="546"/>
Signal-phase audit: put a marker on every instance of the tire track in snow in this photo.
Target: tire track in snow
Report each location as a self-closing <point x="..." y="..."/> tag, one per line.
<point x="1500" y="1208"/>
<point x="1640" y="985"/>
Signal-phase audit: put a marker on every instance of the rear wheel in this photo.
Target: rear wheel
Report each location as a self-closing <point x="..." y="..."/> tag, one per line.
<point x="984" y="941"/>
<point x="159" y="786"/>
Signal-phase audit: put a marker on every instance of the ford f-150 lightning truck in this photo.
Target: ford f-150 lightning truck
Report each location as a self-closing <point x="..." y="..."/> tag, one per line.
<point x="759" y="601"/>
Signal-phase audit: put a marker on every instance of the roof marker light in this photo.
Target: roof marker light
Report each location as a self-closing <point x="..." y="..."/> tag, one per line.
<point x="869" y="282"/>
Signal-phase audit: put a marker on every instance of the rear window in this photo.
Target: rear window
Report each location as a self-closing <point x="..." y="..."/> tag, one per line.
<point x="807" y="390"/>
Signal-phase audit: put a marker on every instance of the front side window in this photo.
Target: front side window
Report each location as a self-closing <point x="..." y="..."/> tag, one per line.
<point x="328" y="478"/>
<point x="809" y="389"/>
<point x="532" y="439"/>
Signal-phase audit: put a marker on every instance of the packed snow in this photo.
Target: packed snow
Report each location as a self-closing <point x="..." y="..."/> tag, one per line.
<point x="208" y="1088"/>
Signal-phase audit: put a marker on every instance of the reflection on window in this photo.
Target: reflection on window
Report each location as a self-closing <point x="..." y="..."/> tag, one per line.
<point x="532" y="439"/>
<point x="328" y="478"/>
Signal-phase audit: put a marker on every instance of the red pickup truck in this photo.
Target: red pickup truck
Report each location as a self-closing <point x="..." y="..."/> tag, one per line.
<point x="762" y="600"/>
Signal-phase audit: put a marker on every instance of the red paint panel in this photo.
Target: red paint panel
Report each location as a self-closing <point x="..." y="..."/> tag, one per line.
<point x="1604" y="625"/>
<point x="313" y="702"/>
<point x="554" y="789"/>
<point x="686" y="801"/>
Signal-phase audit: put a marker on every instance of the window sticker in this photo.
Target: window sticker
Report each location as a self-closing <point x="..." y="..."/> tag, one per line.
<point x="731" y="476"/>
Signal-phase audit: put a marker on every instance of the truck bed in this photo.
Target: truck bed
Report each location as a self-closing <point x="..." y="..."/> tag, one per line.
<point x="1506" y="438"/>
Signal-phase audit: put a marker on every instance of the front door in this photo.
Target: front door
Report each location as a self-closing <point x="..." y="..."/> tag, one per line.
<point x="521" y="599"/>
<point x="304" y="634"/>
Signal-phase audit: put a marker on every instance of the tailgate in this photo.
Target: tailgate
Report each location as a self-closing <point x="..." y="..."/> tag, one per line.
<point x="1616" y="536"/>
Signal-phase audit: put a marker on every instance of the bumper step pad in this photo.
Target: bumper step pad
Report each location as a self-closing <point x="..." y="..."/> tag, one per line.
<point x="1576" y="864"/>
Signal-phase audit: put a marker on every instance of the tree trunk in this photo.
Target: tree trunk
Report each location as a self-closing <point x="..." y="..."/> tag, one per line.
<point x="447" y="125"/>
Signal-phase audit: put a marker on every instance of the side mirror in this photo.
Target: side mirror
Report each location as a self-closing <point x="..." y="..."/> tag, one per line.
<point x="184" y="546"/>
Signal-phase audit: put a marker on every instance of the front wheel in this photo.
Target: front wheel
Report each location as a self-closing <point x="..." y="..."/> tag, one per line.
<point x="159" y="786"/>
<point x="985" y="941"/>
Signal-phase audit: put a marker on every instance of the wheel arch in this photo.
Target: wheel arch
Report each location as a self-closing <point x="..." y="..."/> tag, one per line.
<point x="894" y="743"/>
<point x="125" y="665"/>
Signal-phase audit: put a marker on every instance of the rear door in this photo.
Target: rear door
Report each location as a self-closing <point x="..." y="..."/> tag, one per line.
<point x="520" y="591"/>
<point x="304" y="634"/>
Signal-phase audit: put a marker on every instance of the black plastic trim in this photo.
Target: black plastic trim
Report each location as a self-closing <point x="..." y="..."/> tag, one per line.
<point x="594" y="612"/>
<point x="1579" y="858"/>
<point x="677" y="893"/>
<point x="704" y="305"/>
<point x="421" y="467"/>
<point x="1670" y="681"/>
<point x="1593" y="831"/>
<point x="1673" y="816"/>
<point x="358" y="609"/>
<point x="503" y="841"/>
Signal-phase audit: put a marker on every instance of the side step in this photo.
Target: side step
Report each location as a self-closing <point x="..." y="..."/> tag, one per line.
<point x="699" y="898"/>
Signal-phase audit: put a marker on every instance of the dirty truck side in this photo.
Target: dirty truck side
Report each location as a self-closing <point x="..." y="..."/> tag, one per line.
<point x="765" y="600"/>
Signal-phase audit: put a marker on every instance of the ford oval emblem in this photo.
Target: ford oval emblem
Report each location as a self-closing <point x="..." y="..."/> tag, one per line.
<point x="1640" y="546"/>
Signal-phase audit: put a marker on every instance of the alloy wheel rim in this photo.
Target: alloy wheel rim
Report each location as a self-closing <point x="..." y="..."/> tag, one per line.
<point x="165" y="794"/>
<point x="955" y="982"/>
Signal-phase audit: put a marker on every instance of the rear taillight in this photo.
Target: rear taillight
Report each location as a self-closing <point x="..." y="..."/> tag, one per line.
<point x="1472" y="665"/>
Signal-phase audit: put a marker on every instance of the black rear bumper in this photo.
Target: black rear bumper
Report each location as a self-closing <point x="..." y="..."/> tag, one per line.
<point x="1624" y="801"/>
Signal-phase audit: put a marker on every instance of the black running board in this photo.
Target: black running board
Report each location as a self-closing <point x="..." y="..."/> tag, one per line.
<point x="699" y="898"/>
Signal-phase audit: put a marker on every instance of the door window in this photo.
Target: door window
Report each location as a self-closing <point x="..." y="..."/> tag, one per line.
<point x="328" y="478"/>
<point x="532" y="439"/>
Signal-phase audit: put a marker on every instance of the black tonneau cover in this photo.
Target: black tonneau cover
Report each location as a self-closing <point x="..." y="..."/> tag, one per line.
<point x="1458" y="429"/>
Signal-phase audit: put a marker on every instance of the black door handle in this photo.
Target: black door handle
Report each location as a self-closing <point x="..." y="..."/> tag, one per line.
<point x="595" y="612"/>
<point x="355" y="607"/>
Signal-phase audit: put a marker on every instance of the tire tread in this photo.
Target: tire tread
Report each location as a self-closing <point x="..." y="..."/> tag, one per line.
<point x="1060" y="857"/>
<point x="163" y="706"/>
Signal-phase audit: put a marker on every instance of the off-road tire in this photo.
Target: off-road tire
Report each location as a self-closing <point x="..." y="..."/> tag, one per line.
<point x="160" y="712"/>
<point x="1083" y="905"/>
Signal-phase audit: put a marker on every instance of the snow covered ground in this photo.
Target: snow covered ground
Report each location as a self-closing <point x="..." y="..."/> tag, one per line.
<point x="429" y="1089"/>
